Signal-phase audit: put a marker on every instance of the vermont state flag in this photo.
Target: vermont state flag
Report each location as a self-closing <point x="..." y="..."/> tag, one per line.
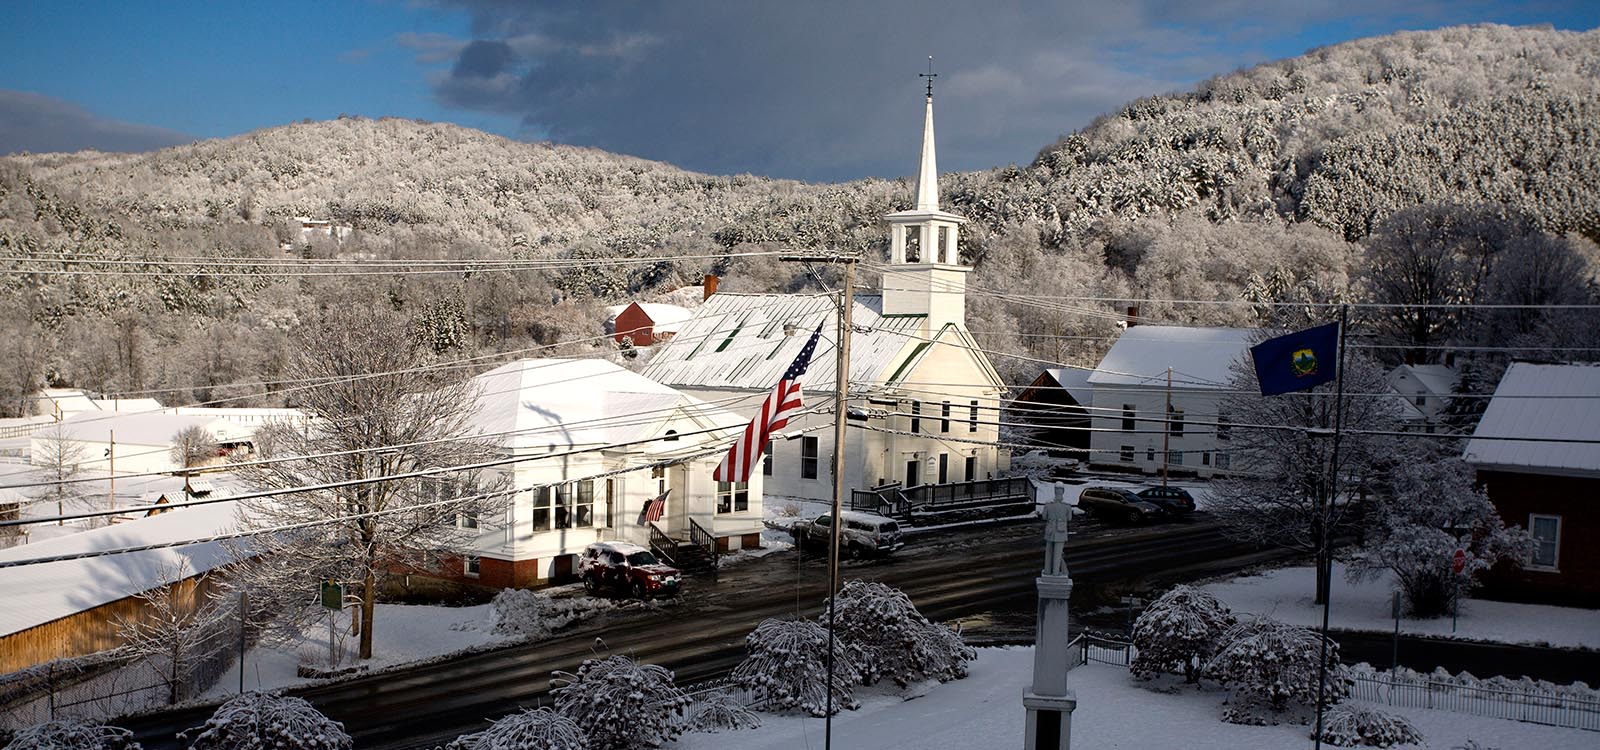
<point x="1297" y="361"/>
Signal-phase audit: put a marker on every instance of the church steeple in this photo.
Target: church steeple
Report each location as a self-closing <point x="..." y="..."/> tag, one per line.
<point x="925" y="275"/>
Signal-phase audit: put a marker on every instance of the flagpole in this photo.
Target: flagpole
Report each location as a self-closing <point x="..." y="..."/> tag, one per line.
<point x="1324" y="560"/>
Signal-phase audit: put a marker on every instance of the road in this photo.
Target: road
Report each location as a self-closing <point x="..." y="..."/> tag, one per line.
<point x="982" y="578"/>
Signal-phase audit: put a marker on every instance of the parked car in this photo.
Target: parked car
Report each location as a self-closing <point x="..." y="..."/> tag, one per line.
<point x="863" y="534"/>
<point x="1176" y="500"/>
<point x="627" y="568"/>
<point x="1117" y="504"/>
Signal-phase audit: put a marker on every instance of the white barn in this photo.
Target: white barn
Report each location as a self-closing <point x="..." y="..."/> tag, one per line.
<point x="923" y="397"/>
<point x="133" y="443"/>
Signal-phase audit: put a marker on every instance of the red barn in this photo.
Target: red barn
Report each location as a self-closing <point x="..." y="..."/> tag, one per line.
<point x="645" y="323"/>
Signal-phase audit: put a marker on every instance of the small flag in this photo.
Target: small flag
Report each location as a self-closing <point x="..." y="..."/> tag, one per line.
<point x="1297" y="361"/>
<point x="783" y="401"/>
<point x="653" y="508"/>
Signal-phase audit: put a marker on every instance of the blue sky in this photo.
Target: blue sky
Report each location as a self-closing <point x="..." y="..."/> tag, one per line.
<point x="819" y="90"/>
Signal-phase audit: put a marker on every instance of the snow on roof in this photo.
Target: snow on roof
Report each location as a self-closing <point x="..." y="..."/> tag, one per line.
<point x="1199" y="357"/>
<point x="37" y="594"/>
<point x="571" y="402"/>
<point x="128" y="404"/>
<point x="1074" y="380"/>
<point x="146" y="429"/>
<point x="736" y="341"/>
<point x="1534" y="401"/>
<point x="1437" y="380"/>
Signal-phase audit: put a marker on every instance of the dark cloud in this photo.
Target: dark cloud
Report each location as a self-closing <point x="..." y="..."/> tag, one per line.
<point x="828" y="90"/>
<point x="38" y="123"/>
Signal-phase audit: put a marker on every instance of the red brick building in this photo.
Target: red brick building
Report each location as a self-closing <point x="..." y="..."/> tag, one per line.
<point x="1537" y="454"/>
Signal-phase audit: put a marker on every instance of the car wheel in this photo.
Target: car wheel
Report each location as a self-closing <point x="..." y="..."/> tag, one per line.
<point x="638" y="591"/>
<point x="855" y="551"/>
<point x="590" y="584"/>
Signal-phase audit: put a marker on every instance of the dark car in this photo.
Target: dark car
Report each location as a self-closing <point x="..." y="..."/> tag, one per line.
<point x="1116" y="504"/>
<point x="628" y="568"/>
<point x="1176" y="500"/>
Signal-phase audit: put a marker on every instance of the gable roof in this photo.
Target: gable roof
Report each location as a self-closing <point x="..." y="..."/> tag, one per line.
<point x="562" y="403"/>
<point x="1537" y="401"/>
<point x="736" y="341"/>
<point x="1073" y="380"/>
<point x="1200" y="358"/>
<point x="145" y="428"/>
<point x="1437" y="380"/>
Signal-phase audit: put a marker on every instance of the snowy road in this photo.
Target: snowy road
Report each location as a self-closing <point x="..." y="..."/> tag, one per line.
<point x="981" y="576"/>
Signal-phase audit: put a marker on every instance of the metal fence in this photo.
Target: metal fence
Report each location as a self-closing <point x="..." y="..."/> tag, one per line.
<point x="1531" y="706"/>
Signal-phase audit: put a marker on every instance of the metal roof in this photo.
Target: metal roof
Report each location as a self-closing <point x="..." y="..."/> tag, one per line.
<point x="736" y="341"/>
<point x="1537" y="401"/>
<point x="1200" y="358"/>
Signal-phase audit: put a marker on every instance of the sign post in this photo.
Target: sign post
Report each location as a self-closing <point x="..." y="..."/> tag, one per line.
<point x="333" y="601"/>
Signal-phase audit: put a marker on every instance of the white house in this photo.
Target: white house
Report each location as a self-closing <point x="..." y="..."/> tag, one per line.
<point x="133" y="443"/>
<point x="1130" y="392"/>
<point x="582" y="424"/>
<point x="1425" y="388"/>
<point x="923" y="397"/>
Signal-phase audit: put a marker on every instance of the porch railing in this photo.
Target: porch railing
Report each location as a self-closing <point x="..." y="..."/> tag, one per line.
<point x="895" y="500"/>
<point x="704" y="539"/>
<point x="664" y="546"/>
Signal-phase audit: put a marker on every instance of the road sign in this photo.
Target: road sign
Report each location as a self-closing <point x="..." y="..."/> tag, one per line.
<point x="332" y="595"/>
<point x="1459" y="562"/>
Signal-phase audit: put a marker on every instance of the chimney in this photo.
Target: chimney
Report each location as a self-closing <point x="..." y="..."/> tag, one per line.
<point x="1133" y="315"/>
<point x="710" y="286"/>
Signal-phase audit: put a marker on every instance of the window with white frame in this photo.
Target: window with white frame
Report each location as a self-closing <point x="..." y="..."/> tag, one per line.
<point x="1174" y="458"/>
<point x="916" y="416"/>
<point x="809" y="451"/>
<point x="1546" y="533"/>
<point x="944" y="417"/>
<point x="1128" y="412"/>
<point x="972" y="416"/>
<point x="1224" y="461"/>
<point x="1125" y="454"/>
<point x="472" y="566"/>
<point x="733" y="497"/>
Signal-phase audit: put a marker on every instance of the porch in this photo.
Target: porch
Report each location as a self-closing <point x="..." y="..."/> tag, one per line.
<point x="896" y="501"/>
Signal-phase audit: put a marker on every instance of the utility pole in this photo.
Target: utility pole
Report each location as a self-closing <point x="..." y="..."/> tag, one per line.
<point x="841" y="387"/>
<point x="1330" y="496"/>
<point x="111" y="456"/>
<point x="1166" y="433"/>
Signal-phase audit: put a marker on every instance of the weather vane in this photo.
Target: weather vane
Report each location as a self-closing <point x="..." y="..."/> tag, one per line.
<point x="930" y="75"/>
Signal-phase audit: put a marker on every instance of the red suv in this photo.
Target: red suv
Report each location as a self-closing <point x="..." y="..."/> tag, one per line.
<point x="620" y="566"/>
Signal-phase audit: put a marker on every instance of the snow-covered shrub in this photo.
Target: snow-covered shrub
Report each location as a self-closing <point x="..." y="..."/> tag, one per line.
<point x="520" y="612"/>
<point x="68" y="734"/>
<point x="717" y="710"/>
<point x="1348" y="725"/>
<point x="621" y="704"/>
<point x="896" y="641"/>
<point x="1178" y="633"/>
<point x="1272" y="669"/>
<point x="267" y="721"/>
<point x="533" y="729"/>
<point x="788" y="660"/>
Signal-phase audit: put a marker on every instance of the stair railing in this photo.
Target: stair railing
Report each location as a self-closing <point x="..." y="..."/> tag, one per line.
<point x="704" y="539"/>
<point x="664" y="546"/>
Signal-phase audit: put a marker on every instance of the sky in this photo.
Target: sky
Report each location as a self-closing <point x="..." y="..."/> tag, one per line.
<point x="820" y="90"/>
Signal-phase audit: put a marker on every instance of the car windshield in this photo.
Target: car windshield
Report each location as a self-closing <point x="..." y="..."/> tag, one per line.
<point x="641" y="558"/>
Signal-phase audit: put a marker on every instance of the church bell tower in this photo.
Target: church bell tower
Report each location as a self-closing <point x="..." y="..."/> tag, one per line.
<point x="925" y="275"/>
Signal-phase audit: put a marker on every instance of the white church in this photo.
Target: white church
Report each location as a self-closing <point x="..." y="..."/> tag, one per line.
<point x="923" y="398"/>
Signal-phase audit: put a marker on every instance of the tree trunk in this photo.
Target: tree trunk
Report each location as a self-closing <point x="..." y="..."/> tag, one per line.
<point x="1324" y="575"/>
<point x="369" y="587"/>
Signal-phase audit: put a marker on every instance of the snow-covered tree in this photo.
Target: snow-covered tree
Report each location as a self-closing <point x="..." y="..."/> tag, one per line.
<point x="1178" y="633"/>
<point x="1284" y="490"/>
<point x="1349" y="725"/>
<point x="375" y="414"/>
<point x="897" y="641"/>
<point x="718" y="710"/>
<point x="1435" y="509"/>
<point x="59" y="455"/>
<point x="176" y="629"/>
<point x="192" y="446"/>
<point x="787" y="660"/>
<point x="267" y="721"/>
<point x="1272" y="668"/>
<point x="70" y="734"/>
<point x="620" y="703"/>
<point x="530" y="729"/>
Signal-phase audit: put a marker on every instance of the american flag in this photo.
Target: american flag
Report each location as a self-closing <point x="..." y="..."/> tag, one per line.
<point x="653" y="508"/>
<point x="774" y="415"/>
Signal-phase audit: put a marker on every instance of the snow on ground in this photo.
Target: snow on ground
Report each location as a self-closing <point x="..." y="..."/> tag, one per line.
<point x="985" y="710"/>
<point x="1286" y="594"/>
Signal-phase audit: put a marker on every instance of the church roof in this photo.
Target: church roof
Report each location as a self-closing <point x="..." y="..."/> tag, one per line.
<point x="736" y="341"/>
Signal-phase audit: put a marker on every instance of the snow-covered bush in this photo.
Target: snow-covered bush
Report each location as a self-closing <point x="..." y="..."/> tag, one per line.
<point x="1272" y="669"/>
<point x="533" y="729"/>
<point x="896" y="641"/>
<point x="267" y="721"/>
<point x="520" y="612"/>
<point x="717" y="710"/>
<point x="68" y="734"/>
<point x="1348" y="725"/>
<point x="788" y="660"/>
<point x="621" y="704"/>
<point x="1178" y="633"/>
